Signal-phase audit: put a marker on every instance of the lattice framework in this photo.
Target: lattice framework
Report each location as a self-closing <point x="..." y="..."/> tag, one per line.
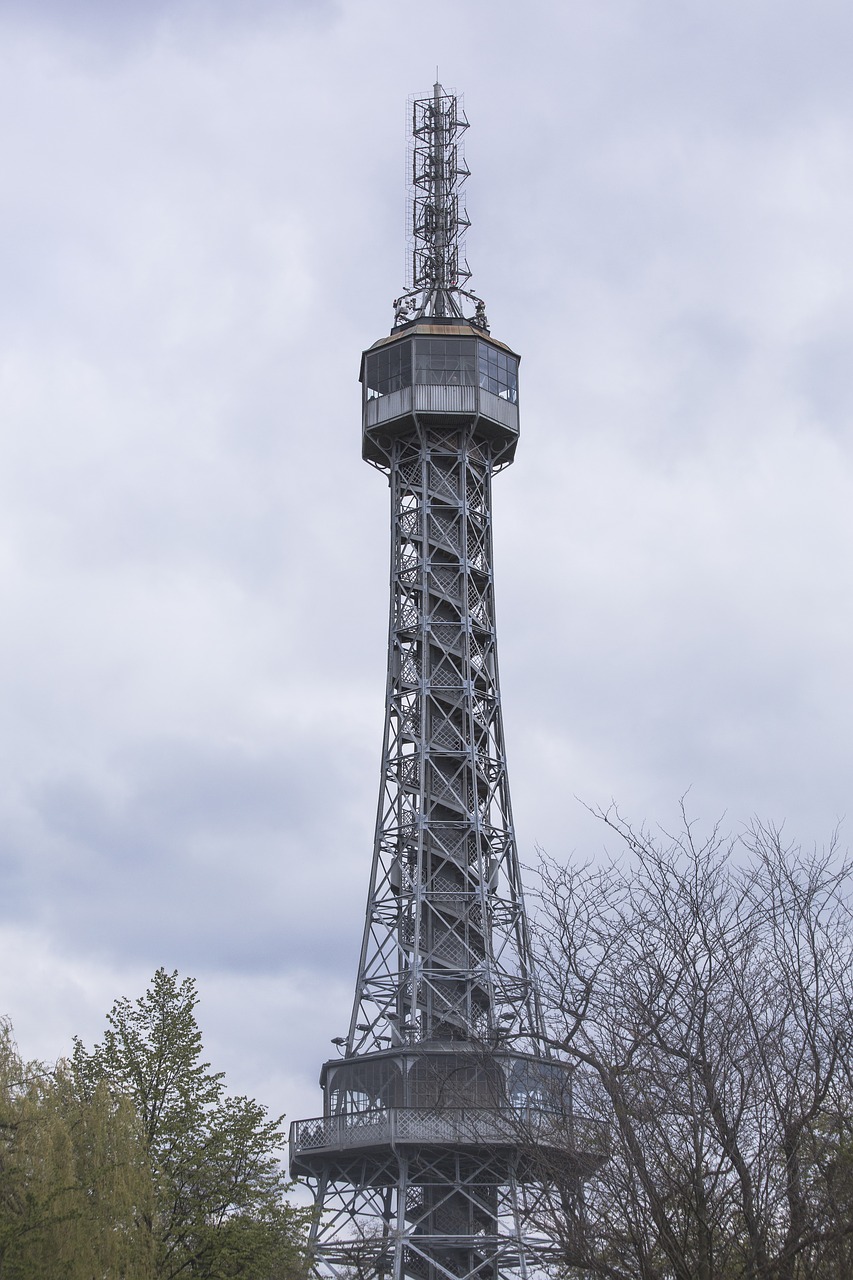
<point x="439" y="272"/>
<point x="446" y="952"/>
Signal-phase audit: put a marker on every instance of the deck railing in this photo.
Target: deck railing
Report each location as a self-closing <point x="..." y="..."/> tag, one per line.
<point x="449" y="1126"/>
<point x="440" y="400"/>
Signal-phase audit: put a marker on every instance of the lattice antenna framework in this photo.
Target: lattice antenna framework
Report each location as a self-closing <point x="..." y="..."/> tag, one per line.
<point x="439" y="272"/>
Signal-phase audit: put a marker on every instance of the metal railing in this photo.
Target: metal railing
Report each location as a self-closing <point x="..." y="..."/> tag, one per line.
<point x="450" y="1126"/>
<point x="445" y="399"/>
<point x="424" y="398"/>
<point x="394" y="405"/>
<point x="498" y="409"/>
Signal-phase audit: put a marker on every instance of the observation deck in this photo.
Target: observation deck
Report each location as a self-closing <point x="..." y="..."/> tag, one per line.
<point x="540" y="1137"/>
<point x="444" y="1095"/>
<point x="439" y="374"/>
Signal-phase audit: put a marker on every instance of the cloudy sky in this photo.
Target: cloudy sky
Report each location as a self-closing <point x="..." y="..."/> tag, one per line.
<point x="201" y="226"/>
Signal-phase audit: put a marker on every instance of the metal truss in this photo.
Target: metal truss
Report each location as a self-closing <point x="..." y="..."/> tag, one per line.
<point x="439" y="267"/>
<point x="446" y="953"/>
<point x="431" y="1213"/>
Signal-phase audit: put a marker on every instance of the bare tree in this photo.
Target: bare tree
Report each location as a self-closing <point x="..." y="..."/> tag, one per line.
<point x="704" y="989"/>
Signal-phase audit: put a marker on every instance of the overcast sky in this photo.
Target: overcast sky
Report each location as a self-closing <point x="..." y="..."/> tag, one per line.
<point x="201" y="226"/>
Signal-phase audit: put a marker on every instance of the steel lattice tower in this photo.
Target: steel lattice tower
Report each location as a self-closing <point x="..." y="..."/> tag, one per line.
<point x="445" y="1115"/>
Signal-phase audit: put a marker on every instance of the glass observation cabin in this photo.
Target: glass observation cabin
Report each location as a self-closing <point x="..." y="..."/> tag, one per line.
<point x="441" y="1077"/>
<point x="440" y="374"/>
<point x="459" y="1098"/>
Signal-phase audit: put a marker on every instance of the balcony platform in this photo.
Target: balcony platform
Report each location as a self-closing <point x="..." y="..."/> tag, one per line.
<point x="541" y="1139"/>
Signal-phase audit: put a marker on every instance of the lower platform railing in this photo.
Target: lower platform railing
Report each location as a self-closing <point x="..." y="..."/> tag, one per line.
<point x="453" y="1126"/>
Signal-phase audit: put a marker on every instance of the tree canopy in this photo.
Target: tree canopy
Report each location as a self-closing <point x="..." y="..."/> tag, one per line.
<point x="75" y="1183"/>
<point x="130" y="1160"/>
<point x="219" y="1206"/>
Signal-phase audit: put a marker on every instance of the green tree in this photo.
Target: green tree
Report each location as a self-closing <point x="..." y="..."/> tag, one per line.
<point x="74" y="1179"/>
<point x="219" y="1207"/>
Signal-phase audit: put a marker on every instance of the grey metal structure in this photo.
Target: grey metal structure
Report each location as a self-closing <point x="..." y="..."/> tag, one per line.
<point x="445" y="1115"/>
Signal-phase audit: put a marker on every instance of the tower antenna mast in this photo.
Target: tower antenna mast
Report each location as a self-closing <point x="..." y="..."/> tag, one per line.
<point x="439" y="268"/>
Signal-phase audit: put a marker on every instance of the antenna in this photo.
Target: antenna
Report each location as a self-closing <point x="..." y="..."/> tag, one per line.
<point x="439" y="267"/>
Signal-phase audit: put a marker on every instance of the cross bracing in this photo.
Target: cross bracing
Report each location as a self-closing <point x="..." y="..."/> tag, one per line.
<point x="446" y="951"/>
<point x="428" y="1214"/>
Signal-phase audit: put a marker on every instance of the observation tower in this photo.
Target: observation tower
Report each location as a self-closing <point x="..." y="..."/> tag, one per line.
<point x="445" y="1118"/>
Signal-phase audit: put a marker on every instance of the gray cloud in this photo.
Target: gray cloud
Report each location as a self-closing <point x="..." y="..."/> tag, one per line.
<point x="121" y="26"/>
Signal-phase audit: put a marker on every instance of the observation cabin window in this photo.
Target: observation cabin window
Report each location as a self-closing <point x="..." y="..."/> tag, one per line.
<point x="388" y="370"/>
<point x="498" y="373"/>
<point x="544" y="1086"/>
<point x="445" y="362"/>
<point x="356" y="1088"/>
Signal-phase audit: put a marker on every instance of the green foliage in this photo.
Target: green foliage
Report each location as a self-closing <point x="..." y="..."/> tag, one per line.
<point x="74" y="1179"/>
<point x="130" y="1162"/>
<point x="218" y="1207"/>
